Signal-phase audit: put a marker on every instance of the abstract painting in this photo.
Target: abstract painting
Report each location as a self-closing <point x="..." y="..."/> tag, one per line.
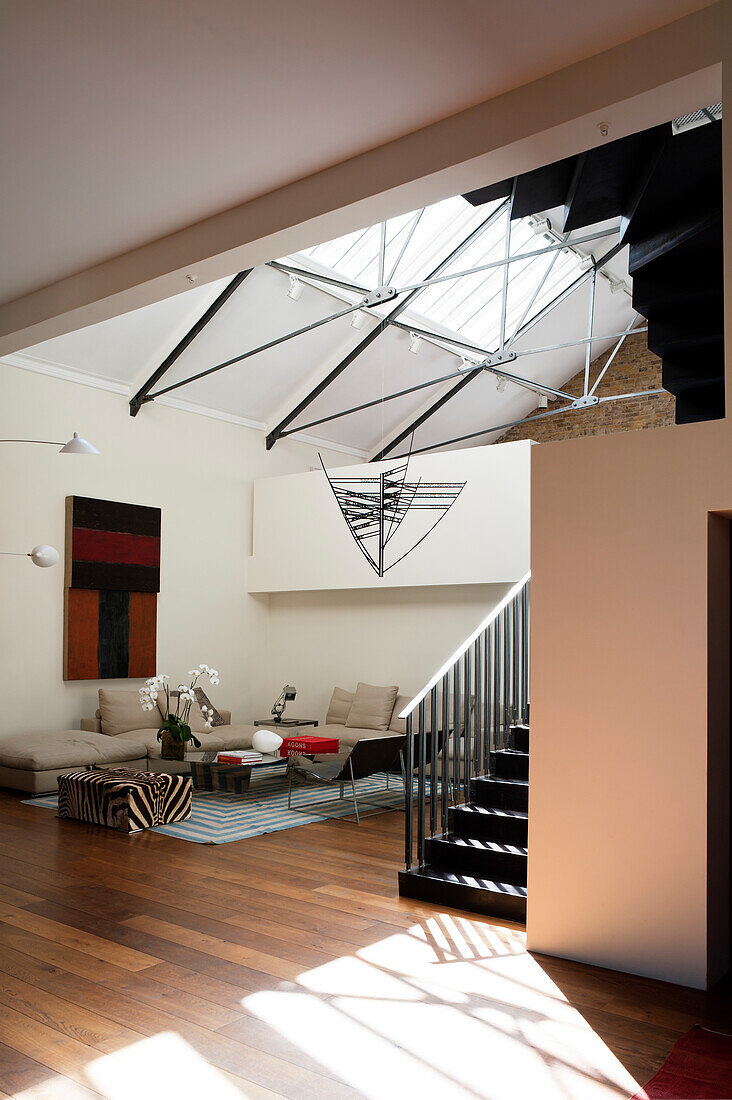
<point x="389" y="516"/>
<point x="112" y="581"/>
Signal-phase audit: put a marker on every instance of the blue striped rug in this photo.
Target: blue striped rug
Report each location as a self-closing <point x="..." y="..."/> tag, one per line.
<point x="220" y="818"/>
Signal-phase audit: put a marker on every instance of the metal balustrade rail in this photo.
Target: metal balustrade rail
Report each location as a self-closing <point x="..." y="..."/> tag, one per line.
<point x="463" y="714"/>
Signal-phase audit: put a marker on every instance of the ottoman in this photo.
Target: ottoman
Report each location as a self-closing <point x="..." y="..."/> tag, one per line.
<point x="123" y="799"/>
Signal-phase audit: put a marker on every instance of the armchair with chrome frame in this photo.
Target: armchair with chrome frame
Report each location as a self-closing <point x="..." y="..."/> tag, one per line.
<point x="368" y="756"/>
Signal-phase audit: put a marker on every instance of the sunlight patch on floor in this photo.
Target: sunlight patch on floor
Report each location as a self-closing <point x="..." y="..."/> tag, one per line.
<point x="164" y="1065"/>
<point x="453" y="1006"/>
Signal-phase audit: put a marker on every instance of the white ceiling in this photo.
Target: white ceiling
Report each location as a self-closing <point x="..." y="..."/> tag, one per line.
<point x="122" y="353"/>
<point x="123" y="122"/>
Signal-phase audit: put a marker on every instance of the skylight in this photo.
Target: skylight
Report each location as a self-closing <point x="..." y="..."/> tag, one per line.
<point x="471" y="306"/>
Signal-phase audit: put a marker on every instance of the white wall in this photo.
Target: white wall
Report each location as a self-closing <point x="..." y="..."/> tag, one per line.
<point x="302" y="542"/>
<point x="317" y="640"/>
<point x="198" y="470"/>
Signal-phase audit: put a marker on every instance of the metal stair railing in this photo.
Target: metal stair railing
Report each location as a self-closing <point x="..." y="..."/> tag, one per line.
<point x="463" y="714"/>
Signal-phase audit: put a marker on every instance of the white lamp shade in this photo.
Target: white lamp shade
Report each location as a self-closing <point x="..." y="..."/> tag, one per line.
<point x="78" y="446"/>
<point x="43" y="556"/>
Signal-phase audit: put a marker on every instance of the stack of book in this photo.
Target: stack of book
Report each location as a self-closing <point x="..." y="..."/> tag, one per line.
<point x="239" y="756"/>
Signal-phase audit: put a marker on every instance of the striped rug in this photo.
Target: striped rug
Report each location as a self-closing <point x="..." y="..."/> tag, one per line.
<point x="220" y="818"/>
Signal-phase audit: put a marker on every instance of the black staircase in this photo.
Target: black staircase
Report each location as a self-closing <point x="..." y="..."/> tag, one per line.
<point x="472" y="768"/>
<point x="666" y="188"/>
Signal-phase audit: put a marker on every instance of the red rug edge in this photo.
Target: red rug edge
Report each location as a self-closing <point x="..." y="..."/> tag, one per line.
<point x="668" y="1074"/>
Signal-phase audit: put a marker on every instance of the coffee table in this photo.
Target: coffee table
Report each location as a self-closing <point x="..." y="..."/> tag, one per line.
<point x="207" y="775"/>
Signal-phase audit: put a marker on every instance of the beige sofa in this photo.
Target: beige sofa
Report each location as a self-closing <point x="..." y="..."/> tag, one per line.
<point x="120" y="735"/>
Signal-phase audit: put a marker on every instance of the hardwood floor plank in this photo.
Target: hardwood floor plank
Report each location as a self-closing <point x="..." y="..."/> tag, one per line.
<point x="21" y="1075"/>
<point x="59" y="955"/>
<point x="221" y="949"/>
<point x="71" y="1020"/>
<point x="188" y="1006"/>
<point x="98" y="948"/>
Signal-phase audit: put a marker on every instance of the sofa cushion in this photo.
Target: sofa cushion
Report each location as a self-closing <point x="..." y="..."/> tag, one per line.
<point x="372" y="707"/>
<point x="223" y="737"/>
<point x="121" y="712"/>
<point x="195" y="716"/>
<point x="340" y="704"/>
<point x="149" y="738"/>
<point x="67" y="749"/>
<point x="235" y="737"/>
<point x="399" y="725"/>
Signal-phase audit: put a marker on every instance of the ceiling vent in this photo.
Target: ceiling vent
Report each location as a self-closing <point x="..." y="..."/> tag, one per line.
<point x="697" y="118"/>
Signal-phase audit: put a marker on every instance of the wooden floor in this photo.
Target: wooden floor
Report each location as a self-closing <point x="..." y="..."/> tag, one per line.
<point x="286" y="965"/>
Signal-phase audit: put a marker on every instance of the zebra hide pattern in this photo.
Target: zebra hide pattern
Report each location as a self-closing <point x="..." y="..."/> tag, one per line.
<point x="123" y="799"/>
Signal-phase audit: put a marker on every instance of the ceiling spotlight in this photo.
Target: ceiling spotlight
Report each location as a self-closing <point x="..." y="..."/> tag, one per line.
<point x="543" y="401"/>
<point x="501" y="384"/>
<point x="295" y="290"/>
<point x="414" y="342"/>
<point x="617" y="286"/>
<point x="466" y="363"/>
<point x="358" y="319"/>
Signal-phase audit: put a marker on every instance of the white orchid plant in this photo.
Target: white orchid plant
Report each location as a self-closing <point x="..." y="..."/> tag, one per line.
<point x="175" y="721"/>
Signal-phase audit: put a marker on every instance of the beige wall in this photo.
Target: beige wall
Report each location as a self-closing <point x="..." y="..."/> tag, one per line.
<point x="198" y="470"/>
<point x="619" y="852"/>
<point x="317" y="640"/>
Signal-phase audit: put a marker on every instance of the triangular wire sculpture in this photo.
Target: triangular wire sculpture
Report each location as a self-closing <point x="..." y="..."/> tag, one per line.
<point x="374" y="508"/>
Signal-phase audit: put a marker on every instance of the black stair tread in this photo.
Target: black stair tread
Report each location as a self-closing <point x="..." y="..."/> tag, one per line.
<point x="494" y="811"/>
<point x="481" y="844"/>
<point x="440" y="874"/>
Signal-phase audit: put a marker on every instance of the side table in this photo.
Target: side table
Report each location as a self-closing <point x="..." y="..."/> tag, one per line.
<point x="286" y="723"/>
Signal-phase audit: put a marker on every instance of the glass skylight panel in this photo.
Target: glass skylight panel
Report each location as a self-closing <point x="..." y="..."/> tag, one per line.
<point x="470" y="306"/>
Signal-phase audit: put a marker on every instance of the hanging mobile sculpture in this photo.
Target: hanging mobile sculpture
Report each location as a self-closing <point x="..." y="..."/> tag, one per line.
<point x="389" y="516"/>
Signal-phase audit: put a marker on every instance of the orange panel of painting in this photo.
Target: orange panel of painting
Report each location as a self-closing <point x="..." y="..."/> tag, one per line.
<point x="82" y="634"/>
<point x="143" y="631"/>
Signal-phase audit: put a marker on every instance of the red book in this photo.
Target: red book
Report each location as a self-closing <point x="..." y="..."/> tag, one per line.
<point x="307" y="745"/>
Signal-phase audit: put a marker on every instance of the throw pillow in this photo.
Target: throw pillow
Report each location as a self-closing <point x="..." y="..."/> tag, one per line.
<point x="372" y="707"/>
<point x="196" y="720"/>
<point x="399" y="725"/>
<point x="120" y="712"/>
<point x="340" y="704"/>
<point x="203" y="700"/>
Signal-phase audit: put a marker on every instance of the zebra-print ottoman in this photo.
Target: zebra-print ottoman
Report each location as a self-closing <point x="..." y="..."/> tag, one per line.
<point x="123" y="799"/>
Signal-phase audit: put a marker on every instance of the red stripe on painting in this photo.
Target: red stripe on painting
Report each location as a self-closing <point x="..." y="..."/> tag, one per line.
<point x="82" y="634"/>
<point x="143" y="632"/>
<point x="115" y="547"/>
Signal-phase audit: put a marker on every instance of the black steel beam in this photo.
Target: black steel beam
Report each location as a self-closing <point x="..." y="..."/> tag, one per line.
<point x="367" y="340"/>
<point x="418" y="421"/>
<point x="141" y="397"/>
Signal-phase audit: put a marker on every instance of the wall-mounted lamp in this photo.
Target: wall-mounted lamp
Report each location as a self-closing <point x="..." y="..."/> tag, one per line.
<point x="75" y="446"/>
<point x="43" y="556"/>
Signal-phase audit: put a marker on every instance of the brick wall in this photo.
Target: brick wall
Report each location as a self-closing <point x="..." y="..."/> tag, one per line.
<point x="634" y="368"/>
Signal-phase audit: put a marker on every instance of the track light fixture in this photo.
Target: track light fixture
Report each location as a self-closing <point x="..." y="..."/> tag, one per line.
<point x="295" y="289"/>
<point x="415" y="342"/>
<point x="358" y="319"/>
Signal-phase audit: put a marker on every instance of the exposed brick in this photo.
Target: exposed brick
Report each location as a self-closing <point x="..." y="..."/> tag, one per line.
<point x="634" y="368"/>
